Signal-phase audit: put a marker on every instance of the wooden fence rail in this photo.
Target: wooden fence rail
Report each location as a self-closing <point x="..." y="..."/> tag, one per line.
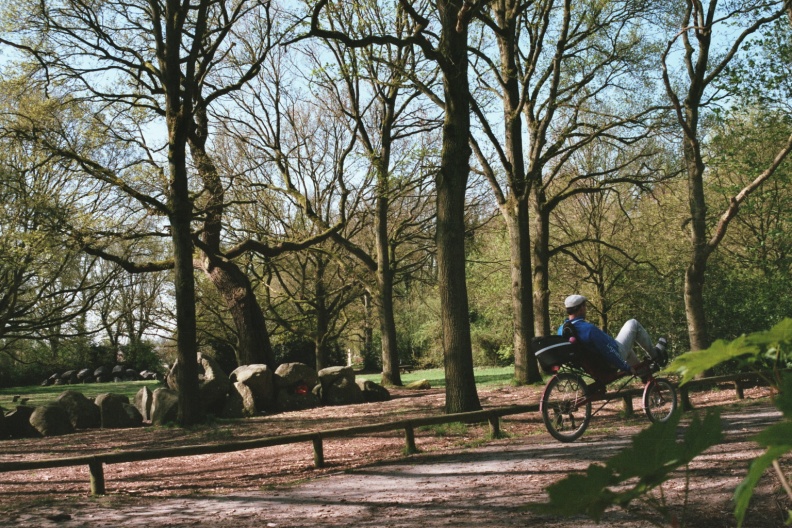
<point x="96" y="463"/>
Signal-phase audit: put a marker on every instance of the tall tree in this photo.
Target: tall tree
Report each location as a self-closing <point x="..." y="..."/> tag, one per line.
<point x="448" y="48"/>
<point x="569" y="75"/>
<point x="308" y="294"/>
<point x="690" y="96"/>
<point x="137" y="62"/>
<point x="46" y="289"/>
<point x="374" y="88"/>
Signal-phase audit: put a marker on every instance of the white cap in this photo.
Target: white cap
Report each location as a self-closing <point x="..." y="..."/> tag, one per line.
<point x="574" y="301"/>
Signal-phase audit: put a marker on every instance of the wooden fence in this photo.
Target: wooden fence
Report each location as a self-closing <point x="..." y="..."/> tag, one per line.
<point x="96" y="463"/>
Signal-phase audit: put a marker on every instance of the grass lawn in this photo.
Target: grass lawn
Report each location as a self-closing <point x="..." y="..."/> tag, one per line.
<point x="38" y="395"/>
<point x="485" y="376"/>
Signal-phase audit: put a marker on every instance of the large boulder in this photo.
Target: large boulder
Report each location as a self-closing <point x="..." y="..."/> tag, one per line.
<point x="70" y="377"/>
<point x="148" y="375"/>
<point x="343" y="392"/>
<point x="419" y="385"/>
<point x="131" y="375"/>
<point x="290" y="375"/>
<point x="241" y="402"/>
<point x="339" y="387"/>
<point x="373" y="392"/>
<point x="83" y="413"/>
<point x="118" y="373"/>
<point x="258" y="379"/>
<point x="85" y="376"/>
<point x="51" y="419"/>
<point x="18" y="422"/>
<point x="164" y="406"/>
<point x="296" y="399"/>
<point x="294" y="385"/>
<point x="133" y="416"/>
<point x="111" y="408"/>
<point x="330" y="375"/>
<point x="142" y="402"/>
<point x="103" y="374"/>
<point x="213" y="383"/>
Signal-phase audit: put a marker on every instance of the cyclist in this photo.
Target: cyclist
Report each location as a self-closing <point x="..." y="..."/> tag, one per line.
<point x="617" y="352"/>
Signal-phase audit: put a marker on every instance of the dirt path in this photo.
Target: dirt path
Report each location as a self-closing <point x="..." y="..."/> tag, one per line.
<point x="474" y="487"/>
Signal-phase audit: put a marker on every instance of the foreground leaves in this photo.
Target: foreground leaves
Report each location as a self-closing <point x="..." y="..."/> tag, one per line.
<point x="646" y="464"/>
<point x="770" y="345"/>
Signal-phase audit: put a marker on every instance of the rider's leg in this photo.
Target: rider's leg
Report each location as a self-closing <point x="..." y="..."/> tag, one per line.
<point x="631" y="333"/>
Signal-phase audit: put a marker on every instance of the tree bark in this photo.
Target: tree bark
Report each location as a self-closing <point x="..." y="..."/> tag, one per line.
<point x="540" y="262"/>
<point x="515" y="210"/>
<point x="178" y="117"/>
<point x="253" y="343"/>
<point x="451" y="182"/>
<point x="390" y="354"/>
<point x="526" y="370"/>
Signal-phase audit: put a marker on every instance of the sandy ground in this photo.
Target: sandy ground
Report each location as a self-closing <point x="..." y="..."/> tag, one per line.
<point x="455" y="481"/>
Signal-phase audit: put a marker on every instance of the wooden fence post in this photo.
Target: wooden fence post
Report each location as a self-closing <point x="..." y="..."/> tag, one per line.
<point x="409" y="439"/>
<point x="684" y="395"/>
<point x="627" y="406"/>
<point x="739" y="388"/>
<point x="494" y="423"/>
<point x="97" y="477"/>
<point x="318" y="451"/>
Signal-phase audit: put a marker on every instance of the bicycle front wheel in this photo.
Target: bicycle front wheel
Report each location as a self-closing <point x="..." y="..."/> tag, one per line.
<point x="566" y="410"/>
<point x="659" y="400"/>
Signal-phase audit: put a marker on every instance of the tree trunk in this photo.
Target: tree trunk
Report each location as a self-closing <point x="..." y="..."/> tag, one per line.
<point x="322" y="319"/>
<point x="526" y="370"/>
<point x="540" y="263"/>
<point x="253" y="344"/>
<point x="184" y="289"/>
<point x="515" y="210"/>
<point x="178" y="108"/>
<point x="368" y="332"/>
<point x="390" y="353"/>
<point x="451" y="182"/>
<point x="700" y="249"/>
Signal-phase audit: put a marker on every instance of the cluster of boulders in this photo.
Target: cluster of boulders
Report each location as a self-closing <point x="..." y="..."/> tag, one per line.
<point x="254" y="389"/>
<point x="102" y="374"/>
<point x="72" y="410"/>
<point x="250" y="390"/>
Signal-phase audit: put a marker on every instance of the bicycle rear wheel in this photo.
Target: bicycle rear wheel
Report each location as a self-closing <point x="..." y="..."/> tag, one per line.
<point x="566" y="411"/>
<point x="659" y="400"/>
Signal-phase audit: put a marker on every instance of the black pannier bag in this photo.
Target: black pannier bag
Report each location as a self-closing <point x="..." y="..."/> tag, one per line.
<point x="553" y="351"/>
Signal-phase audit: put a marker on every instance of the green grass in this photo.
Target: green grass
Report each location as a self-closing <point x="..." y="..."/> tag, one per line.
<point x="485" y="376"/>
<point x="38" y="395"/>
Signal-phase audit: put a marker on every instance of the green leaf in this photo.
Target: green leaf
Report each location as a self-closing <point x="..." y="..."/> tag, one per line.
<point x="691" y="364"/>
<point x="780" y="334"/>
<point x="652" y="450"/>
<point x="653" y="454"/>
<point x="702" y="434"/>
<point x="744" y="492"/>
<point x="776" y="435"/>
<point x="579" y="494"/>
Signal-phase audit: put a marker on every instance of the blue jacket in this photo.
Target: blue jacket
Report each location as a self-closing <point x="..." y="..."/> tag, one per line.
<point x="595" y="338"/>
